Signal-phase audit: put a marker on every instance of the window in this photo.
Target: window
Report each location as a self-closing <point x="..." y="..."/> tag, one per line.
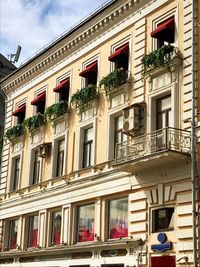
<point x="19" y="113"/>
<point x="162" y="219"/>
<point x="118" y="218"/>
<point x="36" y="167"/>
<point x="86" y="223"/>
<point x="39" y="102"/>
<point x="12" y="237"/>
<point x="16" y="174"/>
<point x="164" y="32"/>
<point x="90" y="74"/>
<point x="120" y="57"/>
<point x="33" y="231"/>
<point x="87" y="147"/>
<point x="60" y="157"/>
<point x="62" y="89"/>
<point x="164" y="113"/>
<point x="119" y="136"/>
<point x="56" y="217"/>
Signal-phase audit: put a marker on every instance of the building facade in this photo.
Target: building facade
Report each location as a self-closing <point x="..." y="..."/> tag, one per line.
<point x="96" y="167"/>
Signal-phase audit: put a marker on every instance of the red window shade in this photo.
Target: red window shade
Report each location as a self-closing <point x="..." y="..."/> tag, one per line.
<point x="118" y="232"/>
<point x="19" y="110"/>
<point x="63" y="84"/>
<point x="162" y="27"/>
<point x="39" y="98"/>
<point x="90" y="68"/>
<point x="123" y="50"/>
<point x="164" y="261"/>
<point x="34" y="238"/>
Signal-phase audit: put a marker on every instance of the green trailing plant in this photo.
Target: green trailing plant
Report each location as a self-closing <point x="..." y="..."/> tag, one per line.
<point x="15" y="131"/>
<point x="159" y="57"/>
<point x="34" y="122"/>
<point x="56" y="110"/>
<point x="82" y="97"/>
<point x="113" y="80"/>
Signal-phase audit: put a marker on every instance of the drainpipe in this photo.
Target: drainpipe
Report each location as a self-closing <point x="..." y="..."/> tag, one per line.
<point x="193" y="140"/>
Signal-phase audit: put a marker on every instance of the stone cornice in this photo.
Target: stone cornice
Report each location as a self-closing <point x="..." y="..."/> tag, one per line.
<point x="67" y="48"/>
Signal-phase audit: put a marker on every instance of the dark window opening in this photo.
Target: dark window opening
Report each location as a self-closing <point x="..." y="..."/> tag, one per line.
<point x="39" y="102"/>
<point x="12" y="238"/>
<point x="16" y="174"/>
<point x="164" y="32"/>
<point x="121" y="57"/>
<point x="164" y="112"/>
<point x="36" y="168"/>
<point x="87" y="147"/>
<point x="163" y="220"/>
<point x="90" y="74"/>
<point x="63" y="89"/>
<point x="60" y="158"/>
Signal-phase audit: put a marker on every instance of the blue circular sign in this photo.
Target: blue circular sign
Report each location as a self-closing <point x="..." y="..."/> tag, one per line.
<point x="161" y="237"/>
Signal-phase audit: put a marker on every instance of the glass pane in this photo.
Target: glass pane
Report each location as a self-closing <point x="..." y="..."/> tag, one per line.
<point x="56" y="227"/>
<point x="13" y="234"/>
<point x="118" y="123"/>
<point x="16" y="174"/>
<point x="86" y="223"/>
<point x="33" y="231"/>
<point x="88" y="134"/>
<point x="118" y="218"/>
<point x="61" y="145"/>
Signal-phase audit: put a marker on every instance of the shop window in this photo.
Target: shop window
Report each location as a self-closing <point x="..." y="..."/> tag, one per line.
<point x="20" y="113"/>
<point x="56" y="217"/>
<point x="162" y="220"/>
<point x="39" y="102"/>
<point x="85" y="229"/>
<point x="165" y="32"/>
<point x="90" y="74"/>
<point x="16" y="174"/>
<point x="87" y="147"/>
<point x="36" y="167"/>
<point x="12" y="236"/>
<point x="62" y="89"/>
<point x="120" y="57"/>
<point x="33" y="231"/>
<point x="118" y="218"/>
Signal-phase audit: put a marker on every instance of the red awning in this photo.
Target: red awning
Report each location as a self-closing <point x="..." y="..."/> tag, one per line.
<point x="166" y="25"/>
<point x="20" y="109"/>
<point x="123" y="50"/>
<point x="63" y="84"/>
<point x="39" y="98"/>
<point x="90" y="68"/>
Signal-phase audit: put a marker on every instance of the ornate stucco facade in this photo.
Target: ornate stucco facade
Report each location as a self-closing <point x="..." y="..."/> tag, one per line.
<point x="83" y="188"/>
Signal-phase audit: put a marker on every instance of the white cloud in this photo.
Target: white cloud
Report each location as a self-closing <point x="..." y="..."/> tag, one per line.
<point x="34" y="23"/>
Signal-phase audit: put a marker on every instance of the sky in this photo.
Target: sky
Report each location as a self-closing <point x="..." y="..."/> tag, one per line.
<point x="32" y="24"/>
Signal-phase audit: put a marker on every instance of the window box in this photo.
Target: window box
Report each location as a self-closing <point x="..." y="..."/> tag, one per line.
<point x="159" y="58"/>
<point x="113" y="80"/>
<point x="83" y="97"/>
<point x="56" y="110"/>
<point x="35" y="122"/>
<point x="14" y="132"/>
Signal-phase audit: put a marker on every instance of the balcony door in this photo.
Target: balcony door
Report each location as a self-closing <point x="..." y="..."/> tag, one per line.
<point x="163" y="121"/>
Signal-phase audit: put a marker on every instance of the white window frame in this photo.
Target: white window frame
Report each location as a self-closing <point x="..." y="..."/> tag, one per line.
<point x="83" y="126"/>
<point x="55" y="151"/>
<point x="36" y="93"/>
<point x="172" y="90"/>
<point x="59" y="80"/>
<point x="85" y="64"/>
<point x="117" y="45"/>
<point x="155" y="22"/>
<point x="12" y="170"/>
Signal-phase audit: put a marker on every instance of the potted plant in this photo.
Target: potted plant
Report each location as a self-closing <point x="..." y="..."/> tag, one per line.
<point x="84" y="96"/>
<point x="56" y="110"/>
<point x="113" y="80"/>
<point x="15" y="131"/>
<point x="159" y="57"/>
<point x="34" y="122"/>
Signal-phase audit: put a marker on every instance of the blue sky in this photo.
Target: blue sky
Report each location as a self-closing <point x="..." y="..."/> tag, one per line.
<point x="34" y="23"/>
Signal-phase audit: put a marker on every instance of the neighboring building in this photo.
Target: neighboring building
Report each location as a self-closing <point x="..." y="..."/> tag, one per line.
<point x="6" y="67"/>
<point x="107" y="180"/>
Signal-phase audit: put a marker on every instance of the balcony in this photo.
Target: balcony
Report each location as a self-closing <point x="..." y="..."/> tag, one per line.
<point x="161" y="147"/>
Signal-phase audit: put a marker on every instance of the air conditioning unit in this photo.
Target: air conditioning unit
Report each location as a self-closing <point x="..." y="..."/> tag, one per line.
<point x="131" y="118"/>
<point x="44" y="149"/>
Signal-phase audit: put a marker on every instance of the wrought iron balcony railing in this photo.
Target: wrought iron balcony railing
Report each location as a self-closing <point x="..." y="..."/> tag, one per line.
<point x="166" y="139"/>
